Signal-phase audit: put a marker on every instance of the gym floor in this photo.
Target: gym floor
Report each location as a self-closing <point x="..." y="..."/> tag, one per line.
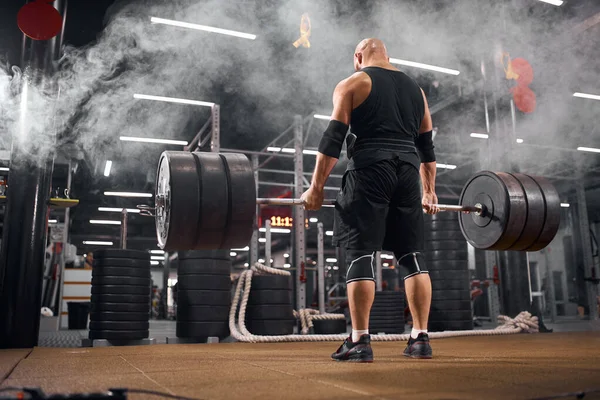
<point x="519" y="366"/>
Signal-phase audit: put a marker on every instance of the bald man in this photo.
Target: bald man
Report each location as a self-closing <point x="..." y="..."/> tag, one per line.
<point x="380" y="204"/>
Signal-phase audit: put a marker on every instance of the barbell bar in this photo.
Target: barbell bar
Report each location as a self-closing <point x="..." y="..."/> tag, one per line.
<point x="207" y="201"/>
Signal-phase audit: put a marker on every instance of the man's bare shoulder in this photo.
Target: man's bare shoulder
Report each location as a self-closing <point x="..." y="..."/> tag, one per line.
<point x="355" y="81"/>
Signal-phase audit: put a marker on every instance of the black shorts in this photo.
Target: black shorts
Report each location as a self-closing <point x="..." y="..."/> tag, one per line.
<point x="379" y="208"/>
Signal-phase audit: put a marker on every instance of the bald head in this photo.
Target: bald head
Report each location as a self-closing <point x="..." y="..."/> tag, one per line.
<point x="370" y="51"/>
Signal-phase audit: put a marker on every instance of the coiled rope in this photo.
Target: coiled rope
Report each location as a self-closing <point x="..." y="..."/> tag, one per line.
<point x="522" y="323"/>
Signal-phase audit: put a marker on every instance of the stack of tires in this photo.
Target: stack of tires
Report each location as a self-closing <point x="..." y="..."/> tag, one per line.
<point x="203" y="294"/>
<point x="270" y="309"/>
<point x="387" y="313"/>
<point x="447" y="261"/>
<point x="121" y="288"/>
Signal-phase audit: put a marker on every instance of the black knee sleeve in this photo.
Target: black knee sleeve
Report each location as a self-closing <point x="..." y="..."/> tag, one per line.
<point x="360" y="265"/>
<point x="411" y="264"/>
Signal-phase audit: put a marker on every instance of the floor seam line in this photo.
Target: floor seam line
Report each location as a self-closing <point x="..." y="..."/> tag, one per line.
<point x="148" y="377"/>
<point x="9" y="373"/>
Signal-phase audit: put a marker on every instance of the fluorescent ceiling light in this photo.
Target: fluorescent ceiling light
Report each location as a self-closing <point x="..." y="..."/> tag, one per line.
<point x="586" y="96"/>
<point x="116" y="209"/>
<point x="52" y="221"/>
<point x="335" y="267"/>
<point x="519" y="140"/>
<point x="246" y="265"/>
<point x="286" y="255"/>
<point x="4" y="169"/>
<point x="97" y="243"/>
<point x="260" y="260"/>
<point x="276" y="230"/>
<point x="291" y="151"/>
<point x="424" y="66"/>
<point x="313" y="220"/>
<point x="329" y="233"/>
<point x="590" y="149"/>
<point x="151" y="140"/>
<point x="202" y="28"/>
<point x="565" y="205"/>
<point x="154" y="263"/>
<point x="242" y="249"/>
<point x="331" y="260"/>
<point x="262" y="240"/>
<point x="104" y="222"/>
<point x="107" y="168"/>
<point x="554" y="2"/>
<point x="287" y="266"/>
<point x="322" y="116"/>
<point x="387" y="256"/>
<point x="233" y="254"/>
<point x="127" y="194"/>
<point x="160" y="258"/>
<point x="173" y="100"/>
<point x="157" y="252"/>
<point x="480" y="135"/>
<point x="446" y="166"/>
<point x="386" y="264"/>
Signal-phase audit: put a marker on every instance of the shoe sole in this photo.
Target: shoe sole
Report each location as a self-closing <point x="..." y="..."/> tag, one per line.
<point x="354" y="360"/>
<point x="418" y="357"/>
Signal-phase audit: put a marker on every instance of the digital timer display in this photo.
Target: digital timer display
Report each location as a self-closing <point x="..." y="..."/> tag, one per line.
<point x="285" y="222"/>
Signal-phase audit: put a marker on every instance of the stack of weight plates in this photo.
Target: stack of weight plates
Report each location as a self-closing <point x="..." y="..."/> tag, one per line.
<point x="330" y="326"/>
<point x="203" y="294"/>
<point x="270" y="310"/>
<point x="447" y="262"/>
<point x="121" y="287"/>
<point x="387" y="313"/>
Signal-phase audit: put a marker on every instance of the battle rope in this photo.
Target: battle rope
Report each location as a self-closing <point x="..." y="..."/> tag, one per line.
<point x="522" y="323"/>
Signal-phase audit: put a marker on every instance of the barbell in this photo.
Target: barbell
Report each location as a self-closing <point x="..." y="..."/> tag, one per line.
<point x="207" y="201"/>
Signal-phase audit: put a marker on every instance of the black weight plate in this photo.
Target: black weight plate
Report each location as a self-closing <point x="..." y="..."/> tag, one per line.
<point x="438" y="326"/>
<point x="202" y="329"/>
<point x="118" y="335"/>
<point x="271" y="282"/>
<point x="119" y="326"/>
<point x="121" y="271"/>
<point x="118" y="289"/>
<point x="119" y="316"/>
<point x="442" y="216"/>
<point x="387" y="331"/>
<point x="120" y="298"/>
<point x="177" y="200"/>
<point x="121" y="281"/>
<point x="214" y="201"/>
<point x="187" y="298"/>
<point x="432" y="245"/>
<point x="439" y="315"/>
<point x="451" y="294"/>
<point x="552" y="218"/>
<point x="448" y="255"/>
<point x="329" y="326"/>
<point x="448" y="284"/>
<point x="270" y="297"/>
<point x="388" y="310"/>
<point x="204" y="255"/>
<point x="506" y="206"/>
<point x="442" y="226"/>
<point x="203" y="267"/>
<point x="121" y="253"/>
<point x="441" y="265"/>
<point x="271" y="327"/>
<point x="387" y="321"/>
<point x="121" y="307"/>
<point x="386" y="326"/>
<point x="441" y="274"/>
<point x="270" y="312"/>
<point x="242" y="200"/>
<point x="121" y="262"/>
<point x="444" y="235"/>
<point x="451" y="305"/>
<point x="205" y="282"/>
<point x="203" y="313"/>
<point x="536" y="213"/>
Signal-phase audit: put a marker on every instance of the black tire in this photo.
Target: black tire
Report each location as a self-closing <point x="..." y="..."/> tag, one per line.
<point x="447" y="255"/>
<point x="203" y="314"/>
<point x="454" y="274"/>
<point x="271" y="327"/>
<point x="271" y="282"/>
<point x="121" y="298"/>
<point x="443" y="225"/>
<point x="121" y="262"/>
<point x="119" y="335"/>
<point x="444" y="235"/>
<point x="205" y="282"/>
<point x="119" y="326"/>
<point x="143" y="308"/>
<point x="442" y="284"/>
<point x="186" y="329"/>
<point x="445" y="245"/>
<point x="330" y="326"/>
<point x="442" y="295"/>
<point x="258" y="297"/>
<point x="121" y="253"/>
<point x="438" y="326"/>
<point x="190" y="298"/>
<point x="451" y="305"/>
<point x="121" y="281"/>
<point x="118" y="289"/>
<point x="121" y="271"/>
<point x="203" y="267"/>
<point x="462" y="315"/>
<point x="269" y="312"/>
<point x="204" y="255"/>
<point x="119" y="316"/>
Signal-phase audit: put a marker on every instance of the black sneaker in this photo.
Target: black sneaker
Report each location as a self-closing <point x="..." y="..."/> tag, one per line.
<point x="419" y="347"/>
<point x="357" y="352"/>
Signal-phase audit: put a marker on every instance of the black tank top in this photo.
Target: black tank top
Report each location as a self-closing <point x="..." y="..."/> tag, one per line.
<point x="387" y="123"/>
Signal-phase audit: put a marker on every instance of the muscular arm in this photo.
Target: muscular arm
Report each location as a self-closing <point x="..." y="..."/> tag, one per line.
<point x="428" y="169"/>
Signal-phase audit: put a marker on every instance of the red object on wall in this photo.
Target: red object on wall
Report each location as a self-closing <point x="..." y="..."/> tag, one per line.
<point x="523" y="69"/>
<point x="524" y="98"/>
<point x="39" y="20"/>
<point x="520" y="70"/>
